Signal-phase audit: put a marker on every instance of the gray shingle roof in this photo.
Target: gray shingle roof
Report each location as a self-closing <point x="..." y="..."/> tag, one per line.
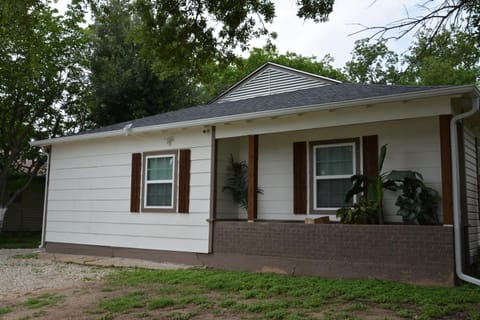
<point x="315" y="96"/>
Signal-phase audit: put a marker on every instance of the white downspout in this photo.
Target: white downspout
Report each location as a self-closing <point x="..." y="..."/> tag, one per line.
<point x="45" y="199"/>
<point x="456" y="192"/>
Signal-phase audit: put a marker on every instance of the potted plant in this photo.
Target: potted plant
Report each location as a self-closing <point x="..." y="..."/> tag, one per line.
<point x="417" y="203"/>
<point x="237" y="182"/>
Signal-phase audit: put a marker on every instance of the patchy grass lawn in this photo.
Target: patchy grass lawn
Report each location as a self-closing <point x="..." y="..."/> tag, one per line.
<point x="188" y="294"/>
<point x="19" y="240"/>
<point x="213" y="294"/>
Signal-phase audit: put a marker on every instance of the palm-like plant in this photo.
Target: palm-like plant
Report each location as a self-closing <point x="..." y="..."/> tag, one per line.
<point x="237" y="182"/>
<point x="373" y="186"/>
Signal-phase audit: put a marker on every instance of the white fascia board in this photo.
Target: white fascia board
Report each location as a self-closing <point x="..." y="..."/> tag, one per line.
<point x="264" y="114"/>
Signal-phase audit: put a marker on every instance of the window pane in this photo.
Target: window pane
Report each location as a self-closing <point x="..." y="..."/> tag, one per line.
<point x="159" y="194"/>
<point x="331" y="193"/>
<point x="160" y="168"/>
<point x="334" y="161"/>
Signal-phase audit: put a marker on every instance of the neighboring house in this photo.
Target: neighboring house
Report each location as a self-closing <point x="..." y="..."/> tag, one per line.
<point x="153" y="187"/>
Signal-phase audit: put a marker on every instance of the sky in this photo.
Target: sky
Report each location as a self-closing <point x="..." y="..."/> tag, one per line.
<point x="333" y="37"/>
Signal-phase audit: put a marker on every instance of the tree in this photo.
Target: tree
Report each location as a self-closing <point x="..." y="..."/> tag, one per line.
<point x="372" y="63"/>
<point x="437" y="16"/>
<point x="123" y="84"/>
<point x="223" y="76"/>
<point x="452" y="57"/>
<point x="41" y="85"/>
<point x="181" y="37"/>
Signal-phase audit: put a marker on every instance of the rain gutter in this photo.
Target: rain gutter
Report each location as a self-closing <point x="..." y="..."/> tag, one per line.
<point x="45" y="200"/>
<point x="260" y="114"/>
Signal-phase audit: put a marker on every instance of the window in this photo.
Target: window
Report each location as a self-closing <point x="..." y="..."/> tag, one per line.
<point x="159" y="188"/>
<point x="332" y="166"/>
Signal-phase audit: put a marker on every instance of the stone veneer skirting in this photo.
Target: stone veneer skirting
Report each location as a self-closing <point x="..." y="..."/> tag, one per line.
<point x="407" y="253"/>
<point x="413" y="254"/>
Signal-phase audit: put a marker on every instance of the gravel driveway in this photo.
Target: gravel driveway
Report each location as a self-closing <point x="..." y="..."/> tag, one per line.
<point x="23" y="271"/>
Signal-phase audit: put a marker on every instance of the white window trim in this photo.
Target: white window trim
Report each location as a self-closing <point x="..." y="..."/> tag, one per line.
<point x="330" y="177"/>
<point x="172" y="181"/>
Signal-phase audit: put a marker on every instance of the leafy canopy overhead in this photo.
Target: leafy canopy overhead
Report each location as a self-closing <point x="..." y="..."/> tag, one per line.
<point x="452" y="57"/>
<point x="123" y="85"/>
<point x="184" y="36"/>
<point x="42" y="80"/>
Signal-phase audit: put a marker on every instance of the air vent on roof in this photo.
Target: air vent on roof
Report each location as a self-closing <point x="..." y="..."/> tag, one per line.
<point x="272" y="81"/>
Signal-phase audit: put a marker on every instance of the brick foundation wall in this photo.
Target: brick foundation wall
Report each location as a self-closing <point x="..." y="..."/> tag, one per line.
<point x="414" y="254"/>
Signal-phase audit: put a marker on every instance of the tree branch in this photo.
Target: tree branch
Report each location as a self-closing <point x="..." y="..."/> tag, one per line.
<point x="435" y="20"/>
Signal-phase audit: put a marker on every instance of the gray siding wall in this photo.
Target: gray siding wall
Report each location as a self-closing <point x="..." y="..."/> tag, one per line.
<point x="471" y="181"/>
<point x="273" y="81"/>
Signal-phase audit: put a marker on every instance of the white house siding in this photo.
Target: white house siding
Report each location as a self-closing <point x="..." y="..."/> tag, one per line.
<point x="417" y="149"/>
<point x="412" y="144"/>
<point x="89" y="194"/>
<point x="472" y="193"/>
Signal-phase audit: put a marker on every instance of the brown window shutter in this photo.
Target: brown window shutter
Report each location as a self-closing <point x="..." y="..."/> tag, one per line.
<point x="300" y="178"/>
<point x="184" y="181"/>
<point x="136" y="179"/>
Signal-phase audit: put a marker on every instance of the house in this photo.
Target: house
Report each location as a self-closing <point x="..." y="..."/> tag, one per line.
<point x="153" y="187"/>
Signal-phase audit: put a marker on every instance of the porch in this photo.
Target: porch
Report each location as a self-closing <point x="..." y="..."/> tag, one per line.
<point x="271" y="234"/>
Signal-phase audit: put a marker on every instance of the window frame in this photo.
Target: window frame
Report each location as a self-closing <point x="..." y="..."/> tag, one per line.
<point x="174" y="181"/>
<point x="313" y="146"/>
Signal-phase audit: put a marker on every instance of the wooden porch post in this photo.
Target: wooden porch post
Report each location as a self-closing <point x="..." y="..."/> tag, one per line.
<point x="252" y="177"/>
<point x="446" y="157"/>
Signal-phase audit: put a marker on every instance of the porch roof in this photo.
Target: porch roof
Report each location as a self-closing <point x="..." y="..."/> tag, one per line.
<point x="313" y="99"/>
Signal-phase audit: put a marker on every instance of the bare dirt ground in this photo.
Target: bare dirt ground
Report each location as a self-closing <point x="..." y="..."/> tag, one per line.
<point x="25" y="275"/>
<point x="70" y="290"/>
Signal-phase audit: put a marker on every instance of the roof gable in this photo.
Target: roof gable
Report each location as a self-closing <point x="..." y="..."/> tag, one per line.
<point x="271" y="79"/>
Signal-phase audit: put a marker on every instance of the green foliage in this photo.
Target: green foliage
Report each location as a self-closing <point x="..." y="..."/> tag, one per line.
<point x="123" y="84"/>
<point x="237" y="182"/>
<point x="283" y="297"/>
<point x="372" y="63"/>
<point x="363" y="211"/>
<point x="451" y="57"/>
<point x="42" y="83"/>
<point x="373" y="186"/>
<point x="160" y="303"/>
<point x="26" y="256"/>
<point x="418" y="203"/>
<point x="43" y="300"/>
<point x="5" y="310"/>
<point x="435" y="16"/>
<point x="184" y="37"/>
<point x="124" y="303"/>
<point x="19" y="240"/>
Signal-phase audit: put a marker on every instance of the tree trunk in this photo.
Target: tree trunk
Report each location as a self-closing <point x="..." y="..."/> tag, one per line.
<point x="3" y="211"/>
